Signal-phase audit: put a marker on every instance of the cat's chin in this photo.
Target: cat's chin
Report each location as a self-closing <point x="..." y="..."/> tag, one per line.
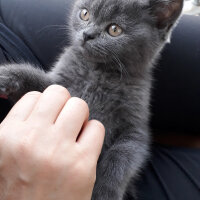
<point x="91" y="56"/>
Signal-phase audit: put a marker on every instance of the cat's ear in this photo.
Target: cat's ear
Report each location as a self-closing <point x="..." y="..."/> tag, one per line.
<point x="166" y="12"/>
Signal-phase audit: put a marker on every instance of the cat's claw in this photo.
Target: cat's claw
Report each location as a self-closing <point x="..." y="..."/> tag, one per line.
<point x="8" y="85"/>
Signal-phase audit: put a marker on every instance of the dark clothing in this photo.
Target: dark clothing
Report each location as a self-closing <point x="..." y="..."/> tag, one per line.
<point x="176" y="90"/>
<point x="12" y="49"/>
<point x="173" y="173"/>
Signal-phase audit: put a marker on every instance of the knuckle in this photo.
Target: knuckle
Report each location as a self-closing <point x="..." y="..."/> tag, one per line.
<point x="80" y="103"/>
<point x="59" y="89"/>
<point x="32" y="93"/>
<point x="49" y="165"/>
<point x="52" y="166"/>
<point x="49" y="161"/>
<point x="21" y="149"/>
<point x="36" y="128"/>
<point x="99" y="125"/>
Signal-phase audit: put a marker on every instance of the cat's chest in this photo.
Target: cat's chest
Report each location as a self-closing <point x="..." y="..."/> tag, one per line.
<point x="102" y="98"/>
<point x="104" y="103"/>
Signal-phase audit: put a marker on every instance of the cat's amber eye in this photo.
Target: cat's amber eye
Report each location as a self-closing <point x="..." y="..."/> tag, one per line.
<point x="85" y="15"/>
<point x="114" y="30"/>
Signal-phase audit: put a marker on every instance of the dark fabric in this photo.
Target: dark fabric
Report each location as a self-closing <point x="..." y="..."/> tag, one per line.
<point x="40" y="24"/>
<point x="176" y="91"/>
<point x="172" y="174"/>
<point x="12" y="49"/>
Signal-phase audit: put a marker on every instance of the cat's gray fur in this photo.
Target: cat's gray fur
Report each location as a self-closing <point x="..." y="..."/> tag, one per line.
<point x="113" y="75"/>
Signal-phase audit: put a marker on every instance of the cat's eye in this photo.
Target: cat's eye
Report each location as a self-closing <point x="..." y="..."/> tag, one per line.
<point x="114" y="30"/>
<point x="85" y="15"/>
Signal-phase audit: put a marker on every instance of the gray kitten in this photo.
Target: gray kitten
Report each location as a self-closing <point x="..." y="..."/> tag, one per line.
<point x="115" y="44"/>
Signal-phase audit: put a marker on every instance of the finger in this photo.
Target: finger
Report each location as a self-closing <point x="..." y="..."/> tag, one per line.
<point x="92" y="138"/>
<point x="71" y="119"/>
<point x="22" y="109"/>
<point x="50" y="104"/>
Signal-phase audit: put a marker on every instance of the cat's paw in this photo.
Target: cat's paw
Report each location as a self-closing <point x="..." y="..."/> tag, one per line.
<point x="105" y="194"/>
<point x="9" y="82"/>
<point x="8" y="86"/>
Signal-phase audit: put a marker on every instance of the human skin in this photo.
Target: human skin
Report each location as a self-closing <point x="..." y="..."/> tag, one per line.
<point x="48" y="148"/>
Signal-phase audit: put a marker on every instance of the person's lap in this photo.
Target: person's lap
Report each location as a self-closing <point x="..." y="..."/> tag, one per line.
<point x="171" y="174"/>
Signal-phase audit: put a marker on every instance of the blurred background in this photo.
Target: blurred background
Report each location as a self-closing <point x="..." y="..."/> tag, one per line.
<point x="192" y="7"/>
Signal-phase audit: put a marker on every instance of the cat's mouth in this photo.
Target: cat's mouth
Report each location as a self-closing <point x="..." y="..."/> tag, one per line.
<point x="92" y="53"/>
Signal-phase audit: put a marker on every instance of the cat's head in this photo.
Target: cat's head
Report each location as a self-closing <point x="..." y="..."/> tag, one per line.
<point x="111" y="30"/>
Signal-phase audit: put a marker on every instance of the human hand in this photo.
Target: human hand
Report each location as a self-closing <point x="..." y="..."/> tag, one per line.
<point x="48" y="148"/>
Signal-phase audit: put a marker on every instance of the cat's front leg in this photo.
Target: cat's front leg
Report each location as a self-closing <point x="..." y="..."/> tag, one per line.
<point x="117" y="166"/>
<point x="18" y="79"/>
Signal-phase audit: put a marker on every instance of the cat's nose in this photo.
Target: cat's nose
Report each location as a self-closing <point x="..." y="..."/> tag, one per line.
<point x="89" y="36"/>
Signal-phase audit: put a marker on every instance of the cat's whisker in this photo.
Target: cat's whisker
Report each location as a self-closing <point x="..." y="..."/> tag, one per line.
<point x="121" y="64"/>
<point x="105" y="51"/>
<point x="118" y="62"/>
<point x="100" y="51"/>
<point x="54" y="27"/>
<point x="115" y="59"/>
